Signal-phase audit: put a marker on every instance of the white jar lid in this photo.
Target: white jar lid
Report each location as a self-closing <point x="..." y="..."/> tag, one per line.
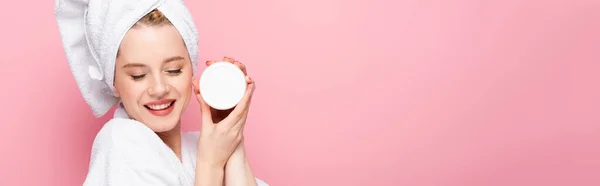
<point x="222" y="85"/>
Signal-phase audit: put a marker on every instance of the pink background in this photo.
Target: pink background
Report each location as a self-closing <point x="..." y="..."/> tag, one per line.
<point x="406" y="92"/>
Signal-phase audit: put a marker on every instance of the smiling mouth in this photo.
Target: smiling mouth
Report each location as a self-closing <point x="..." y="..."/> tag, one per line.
<point x="159" y="107"/>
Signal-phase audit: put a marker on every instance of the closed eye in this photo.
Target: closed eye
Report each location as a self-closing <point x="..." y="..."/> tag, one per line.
<point x="138" y="77"/>
<point x="178" y="71"/>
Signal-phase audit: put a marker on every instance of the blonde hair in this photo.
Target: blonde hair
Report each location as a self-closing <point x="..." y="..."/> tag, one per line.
<point x="154" y="18"/>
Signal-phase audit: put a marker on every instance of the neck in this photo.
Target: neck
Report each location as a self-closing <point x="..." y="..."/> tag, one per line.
<point x="172" y="139"/>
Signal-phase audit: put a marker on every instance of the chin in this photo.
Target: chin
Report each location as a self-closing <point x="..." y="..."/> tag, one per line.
<point x="163" y="123"/>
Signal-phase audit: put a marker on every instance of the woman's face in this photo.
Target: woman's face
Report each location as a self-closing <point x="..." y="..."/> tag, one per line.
<point x="153" y="75"/>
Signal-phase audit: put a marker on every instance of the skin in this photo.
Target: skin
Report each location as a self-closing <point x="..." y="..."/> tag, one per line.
<point x="153" y="64"/>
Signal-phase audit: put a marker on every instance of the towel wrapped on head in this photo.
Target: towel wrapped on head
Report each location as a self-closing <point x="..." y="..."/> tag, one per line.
<point x="91" y="32"/>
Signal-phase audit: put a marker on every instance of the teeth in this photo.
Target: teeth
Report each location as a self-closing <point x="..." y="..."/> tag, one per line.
<point x="160" y="107"/>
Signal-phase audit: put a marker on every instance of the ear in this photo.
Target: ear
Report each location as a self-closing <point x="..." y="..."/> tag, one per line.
<point x="116" y="92"/>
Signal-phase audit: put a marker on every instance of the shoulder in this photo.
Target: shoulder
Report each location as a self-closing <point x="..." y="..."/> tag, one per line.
<point x="129" y="139"/>
<point x="126" y="152"/>
<point x="120" y="126"/>
<point x="120" y="132"/>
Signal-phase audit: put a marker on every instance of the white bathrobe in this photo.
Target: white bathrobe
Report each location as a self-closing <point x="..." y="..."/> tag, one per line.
<point x="126" y="152"/>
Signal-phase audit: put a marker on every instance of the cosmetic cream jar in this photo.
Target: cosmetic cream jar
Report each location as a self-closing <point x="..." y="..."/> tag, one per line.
<point x="222" y="85"/>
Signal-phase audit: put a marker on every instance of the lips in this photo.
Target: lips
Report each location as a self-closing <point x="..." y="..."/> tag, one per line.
<point x="161" y="107"/>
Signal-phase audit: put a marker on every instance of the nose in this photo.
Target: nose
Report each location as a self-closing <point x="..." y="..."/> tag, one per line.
<point x="158" y="88"/>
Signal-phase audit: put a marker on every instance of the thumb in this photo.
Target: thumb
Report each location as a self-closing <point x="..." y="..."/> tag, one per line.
<point x="204" y="108"/>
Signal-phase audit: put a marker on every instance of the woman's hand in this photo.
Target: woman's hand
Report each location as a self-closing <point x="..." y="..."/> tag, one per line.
<point x="222" y="131"/>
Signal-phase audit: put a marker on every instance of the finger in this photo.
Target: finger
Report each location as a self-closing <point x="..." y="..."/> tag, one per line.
<point x="241" y="124"/>
<point x="206" y="114"/>
<point x="249" y="80"/>
<point x="242" y="121"/>
<point x="228" y="59"/>
<point x="241" y="107"/>
<point x="241" y="66"/>
<point x="210" y="62"/>
<point x="253" y="84"/>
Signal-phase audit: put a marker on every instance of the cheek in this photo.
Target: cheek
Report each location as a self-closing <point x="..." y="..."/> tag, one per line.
<point x="131" y="92"/>
<point x="135" y="91"/>
<point x="183" y="86"/>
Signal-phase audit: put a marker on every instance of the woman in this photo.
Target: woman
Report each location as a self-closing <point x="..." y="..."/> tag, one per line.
<point x="142" y="55"/>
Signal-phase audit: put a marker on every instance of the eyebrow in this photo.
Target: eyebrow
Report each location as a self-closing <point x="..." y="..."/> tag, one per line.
<point x="170" y="59"/>
<point x="174" y="58"/>
<point x="130" y="65"/>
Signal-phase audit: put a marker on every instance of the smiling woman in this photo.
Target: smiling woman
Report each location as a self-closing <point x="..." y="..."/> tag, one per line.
<point x="148" y="69"/>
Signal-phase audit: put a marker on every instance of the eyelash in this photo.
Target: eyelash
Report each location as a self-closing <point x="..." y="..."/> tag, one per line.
<point x="138" y="77"/>
<point x="176" y="72"/>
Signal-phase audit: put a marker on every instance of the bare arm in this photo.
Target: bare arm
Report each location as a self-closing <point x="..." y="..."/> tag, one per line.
<point x="207" y="175"/>
<point x="237" y="170"/>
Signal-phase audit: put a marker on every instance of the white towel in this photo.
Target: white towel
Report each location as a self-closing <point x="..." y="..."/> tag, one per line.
<point x="91" y="32"/>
